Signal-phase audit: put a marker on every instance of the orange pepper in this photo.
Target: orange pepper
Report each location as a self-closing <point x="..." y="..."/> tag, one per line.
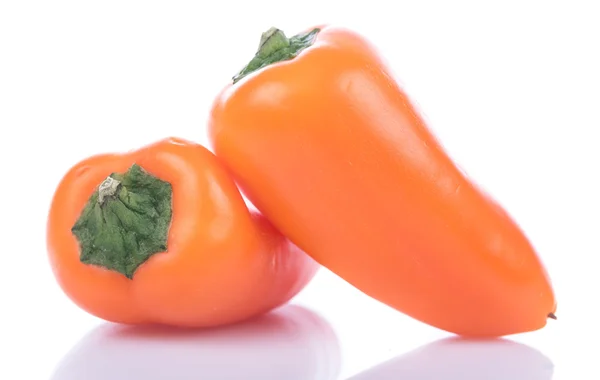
<point x="162" y="235"/>
<point x="325" y="142"/>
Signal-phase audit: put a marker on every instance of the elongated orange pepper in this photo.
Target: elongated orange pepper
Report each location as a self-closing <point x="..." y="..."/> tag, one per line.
<point x="162" y="235"/>
<point x="329" y="147"/>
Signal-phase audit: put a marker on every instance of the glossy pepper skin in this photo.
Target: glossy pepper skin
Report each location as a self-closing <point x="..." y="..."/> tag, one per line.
<point x="220" y="262"/>
<point x="330" y="148"/>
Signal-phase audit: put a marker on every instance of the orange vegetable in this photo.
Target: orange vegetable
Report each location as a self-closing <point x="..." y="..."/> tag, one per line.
<point x="162" y="235"/>
<point x="328" y="146"/>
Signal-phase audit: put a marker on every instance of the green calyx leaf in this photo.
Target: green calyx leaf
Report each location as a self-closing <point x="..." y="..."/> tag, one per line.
<point x="276" y="47"/>
<point x="125" y="221"/>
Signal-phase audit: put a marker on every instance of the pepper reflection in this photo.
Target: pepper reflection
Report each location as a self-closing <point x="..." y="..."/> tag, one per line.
<point x="289" y="343"/>
<point x="463" y="359"/>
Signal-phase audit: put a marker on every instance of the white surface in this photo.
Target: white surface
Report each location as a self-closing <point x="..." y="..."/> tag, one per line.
<point x="511" y="90"/>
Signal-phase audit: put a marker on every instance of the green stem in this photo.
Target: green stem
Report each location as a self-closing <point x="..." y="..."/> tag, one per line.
<point x="125" y="221"/>
<point x="275" y="47"/>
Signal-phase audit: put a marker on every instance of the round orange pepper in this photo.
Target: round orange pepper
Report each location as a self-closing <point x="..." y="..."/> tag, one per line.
<point x="324" y="142"/>
<point x="162" y="235"/>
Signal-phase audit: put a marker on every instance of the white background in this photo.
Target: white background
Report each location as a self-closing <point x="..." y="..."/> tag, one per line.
<point x="512" y="91"/>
